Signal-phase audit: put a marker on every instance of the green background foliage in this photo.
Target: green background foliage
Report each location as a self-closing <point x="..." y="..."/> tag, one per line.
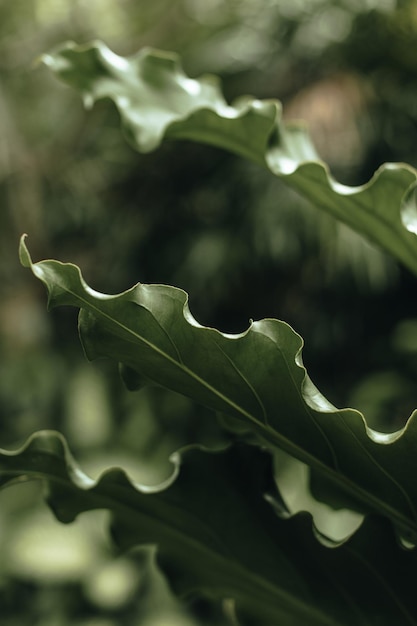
<point x="200" y="219"/>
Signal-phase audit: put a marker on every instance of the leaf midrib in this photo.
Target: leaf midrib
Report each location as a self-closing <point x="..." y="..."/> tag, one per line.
<point x="349" y="486"/>
<point x="378" y="219"/>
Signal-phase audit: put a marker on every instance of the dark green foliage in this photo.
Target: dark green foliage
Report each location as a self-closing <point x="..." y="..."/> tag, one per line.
<point x="259" y="501"/>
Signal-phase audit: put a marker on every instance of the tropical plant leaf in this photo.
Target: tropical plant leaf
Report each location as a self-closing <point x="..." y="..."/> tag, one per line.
<point x="256" y="378"/>
<point x="156" y="100"/>
<point x="203" y="521"/>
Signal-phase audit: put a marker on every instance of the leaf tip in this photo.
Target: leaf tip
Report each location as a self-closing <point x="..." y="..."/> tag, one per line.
<point x="24" y="256"/>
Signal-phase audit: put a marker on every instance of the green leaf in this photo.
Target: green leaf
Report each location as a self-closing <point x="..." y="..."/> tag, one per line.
<point x="156" y="100"/>
<point x="204" y="521"/>
<point x="256" y="377"/>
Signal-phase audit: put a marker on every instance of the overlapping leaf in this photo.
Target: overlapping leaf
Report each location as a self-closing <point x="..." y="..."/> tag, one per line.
<point x="217" y="534"/>
<point x="256" y="377"/>
<point x="156" y="100"/>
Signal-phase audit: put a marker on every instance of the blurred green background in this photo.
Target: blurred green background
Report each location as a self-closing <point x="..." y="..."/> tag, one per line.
<point x="241" y="244"/>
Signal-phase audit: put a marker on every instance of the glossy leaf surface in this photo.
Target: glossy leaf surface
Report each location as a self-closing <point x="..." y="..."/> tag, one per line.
<point x="256" y="377"/>
<point x="156" y="100"/>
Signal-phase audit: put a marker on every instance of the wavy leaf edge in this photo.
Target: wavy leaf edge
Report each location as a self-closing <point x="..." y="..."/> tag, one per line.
<point x="270" y="108"/>
<point x="268" y="435"/>
<point x="311" y="395"/>
<point x="284" y="148"/>
<point x="51" y="443"/>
